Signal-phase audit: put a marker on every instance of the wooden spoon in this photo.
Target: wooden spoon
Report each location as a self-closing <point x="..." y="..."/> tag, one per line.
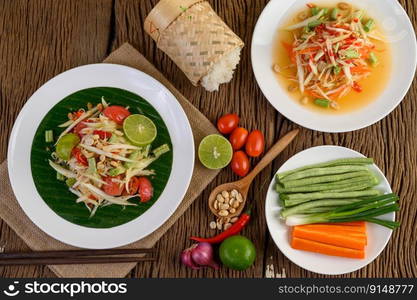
<point x="242" y="186"/>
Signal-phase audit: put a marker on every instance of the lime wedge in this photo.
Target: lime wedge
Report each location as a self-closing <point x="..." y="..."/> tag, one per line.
<point x="140" y="130"/>
<point x="215" y="152"/>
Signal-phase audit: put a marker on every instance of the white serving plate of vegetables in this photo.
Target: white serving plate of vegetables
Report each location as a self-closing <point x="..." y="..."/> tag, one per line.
<point x="91" y="206"/>
<point x="316" y="196"/>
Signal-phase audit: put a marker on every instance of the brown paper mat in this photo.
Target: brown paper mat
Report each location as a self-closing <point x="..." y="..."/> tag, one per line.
<point x="37" y="240"/>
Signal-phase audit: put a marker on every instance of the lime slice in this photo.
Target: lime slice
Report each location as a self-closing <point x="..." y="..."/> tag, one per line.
<point x="140" y="130"/>
<point x="215" y="152"/>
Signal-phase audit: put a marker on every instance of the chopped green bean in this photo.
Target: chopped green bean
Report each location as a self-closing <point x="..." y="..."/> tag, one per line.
<point x="340" y="178"/>
<point x="369" y="25"/>
<point x="322" y="102"/>
<point x="314" y="24"/>
<point x="373" y="59"/>
<point x="295" y="199"/>
<point x="70" y="181"/>
<point x="334" y="14"/>
<point x="351" y="53"/>
<point x="337" y="70"/>
<point x="344" y="185"/>
<point x="49" y="136"/>
<point x="315" y="11"/>
<point x="324" y="171"/>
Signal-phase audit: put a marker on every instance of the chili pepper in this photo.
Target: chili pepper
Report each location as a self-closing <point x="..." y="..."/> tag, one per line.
<point x="233" y="230"/>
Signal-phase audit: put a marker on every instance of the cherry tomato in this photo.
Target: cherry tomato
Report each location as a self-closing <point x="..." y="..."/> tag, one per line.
<point x="238" y="138"/>
<point x="102" y="134"/>
<point x="116" y="113"/>
<point x="356" y="87"/>
<point x="76" y="152"/>
<point x="228" y="123"/>
<point x="133" y="186"/>
<point x="77" y="129"/>
<point x="145" y="189"/>
<point x="255" y="144"/>
<point x="111" y="187"/>
<point x="240" y="163"/>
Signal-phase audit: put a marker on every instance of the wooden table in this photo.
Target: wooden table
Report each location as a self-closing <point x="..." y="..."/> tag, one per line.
<point x="42" y="38"/>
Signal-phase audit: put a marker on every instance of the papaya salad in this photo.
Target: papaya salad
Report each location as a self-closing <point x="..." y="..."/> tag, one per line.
<point x="103" y="155"/>
<point x="333" y="51"/>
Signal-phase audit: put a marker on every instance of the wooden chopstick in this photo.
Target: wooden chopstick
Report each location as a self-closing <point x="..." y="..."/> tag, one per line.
<point x="73" y="253"/>
<point x="73" y="260"/>
<point x="74" y="257"/>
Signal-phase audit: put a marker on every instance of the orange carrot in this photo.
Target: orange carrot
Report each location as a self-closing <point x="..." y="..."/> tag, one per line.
<point x="308" y="50"/>
<point x="306" y="245"/>
<point x="330" y="237"/>
<point x="325" y="227"/>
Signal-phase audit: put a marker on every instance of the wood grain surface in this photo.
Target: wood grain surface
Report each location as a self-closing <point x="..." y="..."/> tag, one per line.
<point x="42" y="38"/>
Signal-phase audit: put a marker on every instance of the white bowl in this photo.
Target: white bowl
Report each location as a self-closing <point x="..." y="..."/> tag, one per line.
<point x="399" y="31"/>
<point x="67" y="83"/>
<point x="378" y="236"/>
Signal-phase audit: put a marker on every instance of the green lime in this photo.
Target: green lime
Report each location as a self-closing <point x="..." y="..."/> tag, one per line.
<point x="140" y="130"/>
<point x="215" y="152"/>
<point x="237" y="252"/>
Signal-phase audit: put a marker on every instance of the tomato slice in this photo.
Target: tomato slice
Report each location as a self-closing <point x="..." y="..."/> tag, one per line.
<point x="145" y="189"/>
<point x="116" y="113"/>
<point x="102" y="134"/>
<point x="356" y="87"/>
<point x="111" y="187"/>
<point x="133" y="186"/>
<point x="76" y="152"/>
<point x="77" y="129"/>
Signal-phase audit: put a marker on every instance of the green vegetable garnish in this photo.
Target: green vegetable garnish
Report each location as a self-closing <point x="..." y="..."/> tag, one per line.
<point x="117" y="171"/>
<point x="315" y="11"/>
<point x="314" y="24"/>
<point x="60" y="177"/>
<point x="350" y="53"/>
<point x="337" y="70"/>
<point x="334" y="14"/>
<point x="65" y="145"/>
<point x="70" y="181"/>
<point x="322" y="102"/>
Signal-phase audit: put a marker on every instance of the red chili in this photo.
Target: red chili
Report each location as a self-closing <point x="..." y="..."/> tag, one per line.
<point x="102" y="134"/>
<point x="233" y="230"/>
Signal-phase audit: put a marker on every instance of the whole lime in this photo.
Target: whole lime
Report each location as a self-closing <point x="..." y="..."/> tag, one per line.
<point x="237" y="252"/>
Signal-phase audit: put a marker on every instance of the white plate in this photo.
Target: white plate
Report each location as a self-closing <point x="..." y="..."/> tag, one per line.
<point x="56" y="89"/>
<point x="378" y="236"/>
<point x="399" y="31"/>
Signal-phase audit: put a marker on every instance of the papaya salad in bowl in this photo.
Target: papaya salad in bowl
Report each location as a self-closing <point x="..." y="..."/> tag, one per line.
<point x="104" y="154"/>
<point x="334" y="66"/>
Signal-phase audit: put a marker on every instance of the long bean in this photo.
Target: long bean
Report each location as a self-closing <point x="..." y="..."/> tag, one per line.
<point x="325" y="179"/>
<point x="337" y="162"/>
<point x="310" y="206"/>
<point x="295" y="199"/>
<point x="324" y="171"/>
<point x="344" y="185"/>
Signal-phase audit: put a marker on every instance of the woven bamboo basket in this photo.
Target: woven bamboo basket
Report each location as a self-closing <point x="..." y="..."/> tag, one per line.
<point x="191" y="34"/>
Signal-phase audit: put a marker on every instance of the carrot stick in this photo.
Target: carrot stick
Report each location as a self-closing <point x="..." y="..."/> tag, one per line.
<point x="306" y="245"/>
<point x="336" y="228"/>
<point x="308" y="50"/>
<point x="330" y="238"/>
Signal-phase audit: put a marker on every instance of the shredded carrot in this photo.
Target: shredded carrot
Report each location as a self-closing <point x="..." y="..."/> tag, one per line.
<point x="290" y="50"/>
<point x="330" y="237"/>
<point x="308" y="50"/>
<point x="312" y="246"/>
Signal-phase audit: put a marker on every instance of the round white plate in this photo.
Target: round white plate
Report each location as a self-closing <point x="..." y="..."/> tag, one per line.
<point x="56" y="89"/>
<point x="399" y="31"/>
<point x="378" y="236"/>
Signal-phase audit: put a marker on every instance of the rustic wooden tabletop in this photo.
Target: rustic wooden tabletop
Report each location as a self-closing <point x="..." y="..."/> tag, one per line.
<point x="42" y="38"/>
